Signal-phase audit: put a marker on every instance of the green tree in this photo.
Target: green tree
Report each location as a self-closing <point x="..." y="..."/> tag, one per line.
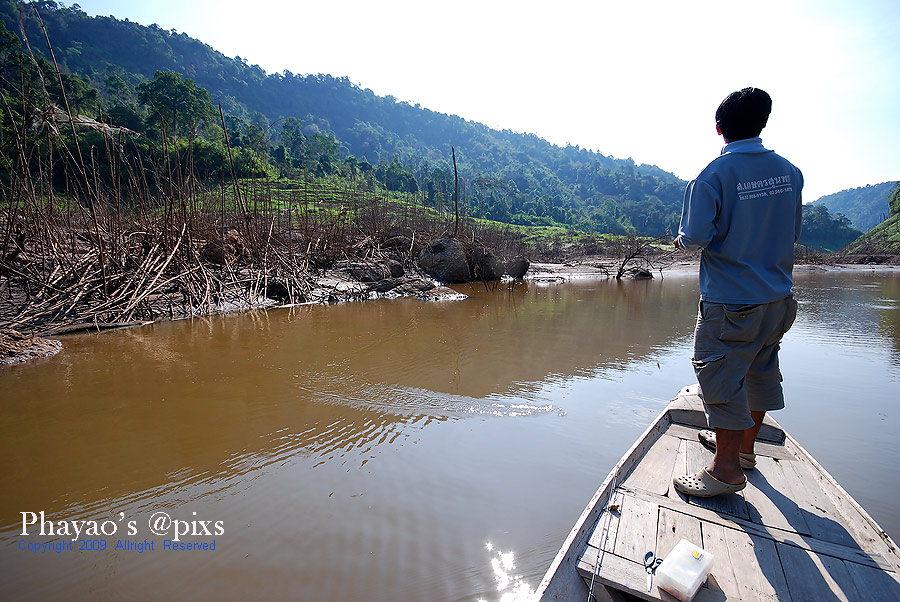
<point x="291" y="136"/>
<point x="396" y="177"/>
<point x="321" y="154"/>
<point x="175" y="102"/>
<point x="118" y="90"/>
<point x="824" y="231"/>
<point x="81" y="96"/>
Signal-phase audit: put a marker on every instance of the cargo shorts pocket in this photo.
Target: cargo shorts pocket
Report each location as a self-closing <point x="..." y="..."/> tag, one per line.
<point x="790" y="314"/>
<point x="742" y="325"/>
<point x="712" y="377"/>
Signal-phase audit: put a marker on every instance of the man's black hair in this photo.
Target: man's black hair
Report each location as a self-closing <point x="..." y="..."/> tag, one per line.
<point x="743" y="114"/>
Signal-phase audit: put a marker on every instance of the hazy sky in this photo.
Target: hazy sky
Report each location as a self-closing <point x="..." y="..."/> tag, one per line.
<point x="638" y="79"/>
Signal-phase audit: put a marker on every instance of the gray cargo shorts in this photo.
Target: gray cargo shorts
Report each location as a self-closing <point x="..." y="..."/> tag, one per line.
<point x="736" y="359"/>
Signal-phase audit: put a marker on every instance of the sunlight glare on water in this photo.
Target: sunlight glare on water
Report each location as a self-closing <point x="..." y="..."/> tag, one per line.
<point x="510" y="587"/>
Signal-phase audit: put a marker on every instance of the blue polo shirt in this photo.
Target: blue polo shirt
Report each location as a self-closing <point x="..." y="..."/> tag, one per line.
<point x="744" y="211"/>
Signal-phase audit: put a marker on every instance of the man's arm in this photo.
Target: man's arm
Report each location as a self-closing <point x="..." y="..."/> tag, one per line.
<point x="698" y="215"/>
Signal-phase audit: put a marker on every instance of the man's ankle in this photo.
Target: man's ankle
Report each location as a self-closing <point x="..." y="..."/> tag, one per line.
<point x="733" y="477"/>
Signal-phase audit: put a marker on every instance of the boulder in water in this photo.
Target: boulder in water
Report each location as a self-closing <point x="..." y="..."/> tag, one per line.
<point x="518" y="267"/>
<point x="485" y="265"/>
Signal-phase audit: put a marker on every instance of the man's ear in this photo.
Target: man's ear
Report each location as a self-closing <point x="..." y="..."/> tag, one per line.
<point x="718" y="130"/>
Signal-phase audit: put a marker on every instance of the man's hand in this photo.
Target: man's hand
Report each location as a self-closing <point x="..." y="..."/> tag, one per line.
<point x="677" y="243"/>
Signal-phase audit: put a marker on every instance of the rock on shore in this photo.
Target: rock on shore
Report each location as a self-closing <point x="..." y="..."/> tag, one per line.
<point x="452" y="261"/>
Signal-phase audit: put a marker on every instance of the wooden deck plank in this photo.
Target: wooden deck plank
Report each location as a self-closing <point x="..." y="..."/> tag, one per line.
<point x="876" y="584"/>
<point x="604" y="535"/>
<point x="757" y="567"/>
<point x="588" y="567"/>
<point x="616" y="572"/>
<point x="653" y="472"/>
<point x="866" y="534"/>
<point x="673" y="527"/>
<point x="637" y="529"/>
<point x="758" y="574"/>
<point x="766" y="502"/>
<point x="852" y="554"/>
<point x="680" y="468"/>
<point x="713" y="541"/>
<point x="863" y="530"/>
<point x="630" y="577"/>
<point x="595" y="590"/>
<point x="687" y="408"/>
<point x="698" y="457"/>
<point x="814" y="577"/>
<point x="824" y="520"/>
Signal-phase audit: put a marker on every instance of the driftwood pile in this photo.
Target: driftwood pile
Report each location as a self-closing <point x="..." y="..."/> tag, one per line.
<point x="65" y="267"/>
<point x="59" y="279"/>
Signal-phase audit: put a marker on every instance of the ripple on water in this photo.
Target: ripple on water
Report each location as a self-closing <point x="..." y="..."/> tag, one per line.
<point x="403" y="400"/>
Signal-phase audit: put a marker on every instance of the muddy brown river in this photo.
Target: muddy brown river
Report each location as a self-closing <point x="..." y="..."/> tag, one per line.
<point x="391" y="450"/>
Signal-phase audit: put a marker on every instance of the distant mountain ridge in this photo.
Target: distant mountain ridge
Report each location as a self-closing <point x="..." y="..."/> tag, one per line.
<point x="865" y="207"/>
<point x="509" y="176"/>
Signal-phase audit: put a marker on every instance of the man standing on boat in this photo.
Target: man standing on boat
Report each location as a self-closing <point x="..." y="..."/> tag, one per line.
<point x="743" y="211"/>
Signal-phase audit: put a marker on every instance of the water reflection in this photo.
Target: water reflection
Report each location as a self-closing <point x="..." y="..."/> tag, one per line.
<point x="504" y="342"/>
<point x="851" y="310"/>
<point x="888" y="307"/>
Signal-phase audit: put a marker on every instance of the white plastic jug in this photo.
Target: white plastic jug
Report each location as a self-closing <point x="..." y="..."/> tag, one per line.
<point x="684" y="570"/>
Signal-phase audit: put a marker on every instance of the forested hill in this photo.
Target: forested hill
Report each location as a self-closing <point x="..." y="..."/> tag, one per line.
<point x="507" y="176"/>
<point x="865" y="207"/>
<point x="883" y="239"/>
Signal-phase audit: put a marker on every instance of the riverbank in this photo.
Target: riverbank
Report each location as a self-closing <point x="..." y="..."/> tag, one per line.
<point x="600" y="266"/>
<point x="328" y="286"/>
<point x="361" y="280"/>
